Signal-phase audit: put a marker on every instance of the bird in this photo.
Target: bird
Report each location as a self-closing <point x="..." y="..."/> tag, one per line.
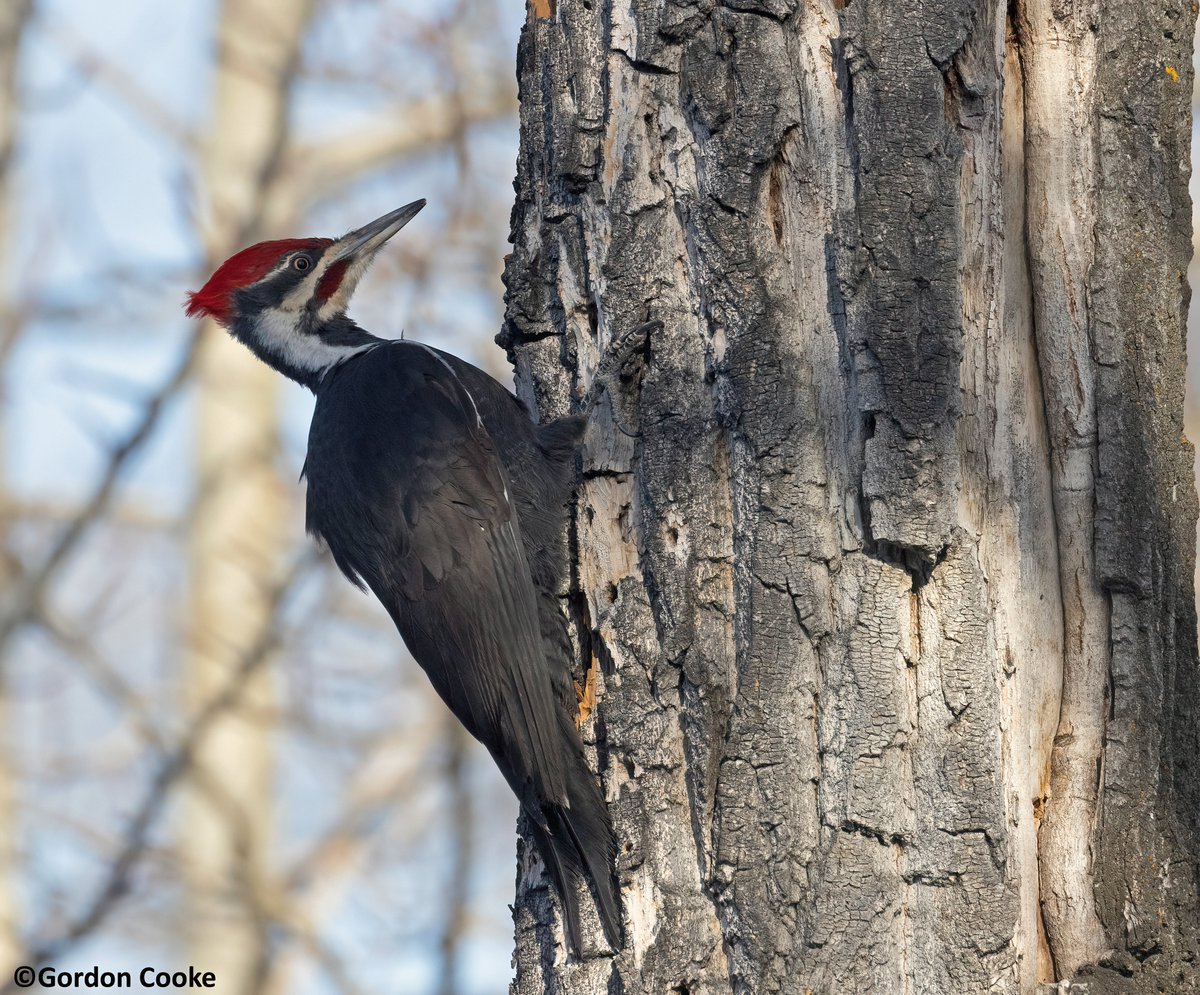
<point x="432" y="487"/>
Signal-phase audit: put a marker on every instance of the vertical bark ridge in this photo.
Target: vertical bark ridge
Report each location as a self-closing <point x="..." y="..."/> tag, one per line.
<point x="1008" y="503"/>
<point x="1146" y="845"/>
<point x="1058" y="60"/>
<point x="904" y="311"/>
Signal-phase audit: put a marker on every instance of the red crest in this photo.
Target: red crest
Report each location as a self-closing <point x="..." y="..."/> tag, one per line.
<point x="240" y="270"/>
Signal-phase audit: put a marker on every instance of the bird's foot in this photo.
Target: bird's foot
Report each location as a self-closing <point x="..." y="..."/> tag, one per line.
<point x="619" y="366"/>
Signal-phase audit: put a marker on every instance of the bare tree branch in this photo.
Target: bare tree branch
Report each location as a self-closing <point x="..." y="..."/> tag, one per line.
<point x="460" y="821"/>
<point x="96" y="67"/>
<point x="313" y="170"/>
<point x="24" y="598"/>
<point x="115" y="885"/>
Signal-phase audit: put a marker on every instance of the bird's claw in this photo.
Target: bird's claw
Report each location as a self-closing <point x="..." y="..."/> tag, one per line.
<point x="627" y="345"/>
<point x="614" y="366"/>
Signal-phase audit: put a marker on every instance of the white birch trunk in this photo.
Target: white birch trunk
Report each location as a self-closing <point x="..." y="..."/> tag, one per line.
<point x="237" y="525"/>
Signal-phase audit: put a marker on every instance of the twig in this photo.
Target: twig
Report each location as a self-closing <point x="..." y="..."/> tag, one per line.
<point x="116" y="883"/>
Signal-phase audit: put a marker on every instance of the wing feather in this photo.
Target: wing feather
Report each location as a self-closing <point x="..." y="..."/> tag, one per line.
<point x="418" y="507"/>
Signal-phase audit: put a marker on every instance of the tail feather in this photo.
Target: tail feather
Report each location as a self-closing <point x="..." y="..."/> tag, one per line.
<point x="564" y="885"/>
<point x="578" y="846"/>
<point x="591" y="834"/>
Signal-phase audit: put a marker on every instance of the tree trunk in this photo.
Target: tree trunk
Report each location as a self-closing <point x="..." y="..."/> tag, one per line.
<point x="888" y="592"/>
<point x="237" y="525"/>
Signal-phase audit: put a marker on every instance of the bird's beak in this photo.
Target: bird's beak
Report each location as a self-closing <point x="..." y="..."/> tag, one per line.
<point x="366" y="240"/>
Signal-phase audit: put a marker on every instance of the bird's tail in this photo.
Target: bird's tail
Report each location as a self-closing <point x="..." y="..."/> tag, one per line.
<point x="578" y="845"/>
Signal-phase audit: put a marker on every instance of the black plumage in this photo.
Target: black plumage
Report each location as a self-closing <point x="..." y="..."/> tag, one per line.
<point x="447" y="509"/>
<point x="432" y="487"/>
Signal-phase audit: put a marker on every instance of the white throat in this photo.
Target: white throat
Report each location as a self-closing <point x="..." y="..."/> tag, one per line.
<point x="300" y="351"/>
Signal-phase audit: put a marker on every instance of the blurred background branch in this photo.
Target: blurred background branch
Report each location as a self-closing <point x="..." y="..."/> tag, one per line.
<point x="212" y="757"/>
<point x="14" y="20"/>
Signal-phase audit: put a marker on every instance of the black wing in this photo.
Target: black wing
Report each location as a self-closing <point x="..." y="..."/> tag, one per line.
<point x="418" y="507"/>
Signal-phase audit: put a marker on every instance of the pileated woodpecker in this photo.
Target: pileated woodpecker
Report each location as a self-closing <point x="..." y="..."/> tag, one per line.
<point x="433" y="487"/>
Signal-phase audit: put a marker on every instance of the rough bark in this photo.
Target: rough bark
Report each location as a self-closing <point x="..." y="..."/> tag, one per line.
<point x="888" y="592"/>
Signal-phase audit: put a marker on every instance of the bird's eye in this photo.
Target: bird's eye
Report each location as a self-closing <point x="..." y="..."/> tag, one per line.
<point x="301" y="263"/>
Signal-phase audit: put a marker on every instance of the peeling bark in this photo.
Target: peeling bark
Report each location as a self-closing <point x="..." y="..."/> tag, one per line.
<point x="884" y="555"/>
